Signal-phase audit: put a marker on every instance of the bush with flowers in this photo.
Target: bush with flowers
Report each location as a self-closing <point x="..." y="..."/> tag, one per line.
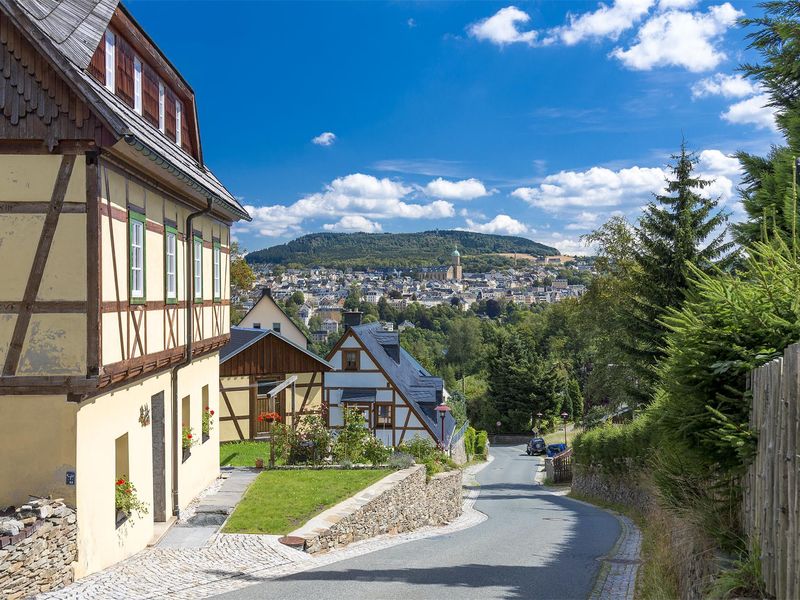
<point x="269" y="417"/>
<point x="126" y="500"/>
<point x="208" y="423"/>
<point x="187" y="438"/>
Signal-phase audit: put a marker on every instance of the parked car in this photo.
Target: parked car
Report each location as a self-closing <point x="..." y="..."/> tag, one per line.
<point x="555" y="449"/>
<point x="536" y="446"/>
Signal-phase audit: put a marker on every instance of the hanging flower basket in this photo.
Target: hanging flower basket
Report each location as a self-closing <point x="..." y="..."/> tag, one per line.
<point x="269" y="417"/>
<point x="126" y="501"/>
<point x="207" y="423"/>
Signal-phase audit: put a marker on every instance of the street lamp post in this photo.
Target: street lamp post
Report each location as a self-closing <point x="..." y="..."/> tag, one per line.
<point x="564" y="417"/>
<point x="442" y="409"/>
<point x="539" y="423"/>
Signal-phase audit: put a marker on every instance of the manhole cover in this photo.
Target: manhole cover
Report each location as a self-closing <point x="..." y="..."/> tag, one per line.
<point x="293" y="541"/>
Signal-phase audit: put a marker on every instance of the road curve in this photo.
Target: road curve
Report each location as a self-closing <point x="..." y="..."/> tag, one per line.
<point x="533" y="545"/>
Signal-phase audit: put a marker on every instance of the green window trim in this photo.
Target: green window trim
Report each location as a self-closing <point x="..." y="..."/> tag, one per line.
<point x="170" y="230"/>
<point x="136" y="217"/>
<point x="198" y="292"/>
<point x="216" y="268"/>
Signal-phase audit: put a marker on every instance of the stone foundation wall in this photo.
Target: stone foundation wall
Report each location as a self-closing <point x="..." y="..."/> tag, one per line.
<point x="38" y="544"/>
<point x="458" y="452"/>
<point x="403" y="501"/>
<point x="695" y="561"/>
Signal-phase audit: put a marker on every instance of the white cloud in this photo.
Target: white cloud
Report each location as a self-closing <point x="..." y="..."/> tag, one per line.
<point x="752" y="111"/>
<point x="597" y="186"/>
<point x="629" y="187"/>
<point x="353" y="223"/>
<point x="324" y="139"/>
<point x="680" y="4"/>
<point x="727" y="86"/>
<point x="503" y="28"/>
<point x="502" y="224"/>
<point x="358" y="194"/>
<point x="466" y="189"/>
<point x="605" y="22"/>
<point x="570" y="246"/>
<point x="584" y="220"/>
<point x="717" y="163"/>
<point x="681" y="39"/>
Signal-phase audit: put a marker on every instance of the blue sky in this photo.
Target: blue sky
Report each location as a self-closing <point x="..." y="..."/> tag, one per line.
<point x="537" y="118"/>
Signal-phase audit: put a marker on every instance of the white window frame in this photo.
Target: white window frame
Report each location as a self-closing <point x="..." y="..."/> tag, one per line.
<point x="217" y="258"/>
<point x="137" y="259"/>
<point x="171" y="265"/>
<point x="162" y="117"/>
<point x="137" y="84"/>
<point x="178" y="116"/>
<point x="111" y="61"/>
<point x="198" y="269"/>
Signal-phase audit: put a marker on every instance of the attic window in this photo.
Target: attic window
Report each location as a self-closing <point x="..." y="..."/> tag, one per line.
<point x="161" y="101"/>
<point x="137" y="84"/>
<point x="111" y="45"/>
<point x="178" y="117"/>
<point x="276" y="327"/>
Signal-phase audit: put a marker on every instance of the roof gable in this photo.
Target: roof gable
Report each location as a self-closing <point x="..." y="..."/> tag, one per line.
<point x="264" y="351"/>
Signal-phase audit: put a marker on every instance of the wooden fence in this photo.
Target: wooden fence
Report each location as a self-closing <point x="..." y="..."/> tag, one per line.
<point x="562" y="467"/>
<point x="770" y="512"/>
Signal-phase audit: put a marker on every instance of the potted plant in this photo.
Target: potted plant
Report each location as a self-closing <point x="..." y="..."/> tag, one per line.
<point x="208" y="423"/>
<point x="187" y="442"/>
<point x="269" y="417"/>
<point x="126" y="501"/>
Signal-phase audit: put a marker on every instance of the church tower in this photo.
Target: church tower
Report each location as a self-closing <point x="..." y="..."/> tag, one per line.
<point x="456" y="265"/>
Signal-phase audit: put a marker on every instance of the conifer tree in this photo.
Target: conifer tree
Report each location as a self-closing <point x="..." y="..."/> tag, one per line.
<point x="676" y="230"/>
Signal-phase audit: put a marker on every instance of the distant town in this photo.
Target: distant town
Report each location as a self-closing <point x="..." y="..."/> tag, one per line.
<point x="535" y="280"/>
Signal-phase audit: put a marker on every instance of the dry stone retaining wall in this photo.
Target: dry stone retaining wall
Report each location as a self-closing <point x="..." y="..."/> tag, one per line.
<point x="402" y="501"/>
<point x="38" y="544"/>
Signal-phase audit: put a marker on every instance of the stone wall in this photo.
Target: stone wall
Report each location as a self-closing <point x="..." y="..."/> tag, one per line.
<point x="695" y="562"/>
<point x="458" y="451"/>
<point x="402" y="501"/>
<point x="38" y="545"/>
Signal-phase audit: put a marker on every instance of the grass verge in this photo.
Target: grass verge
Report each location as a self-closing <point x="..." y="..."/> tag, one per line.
<point x="278" y="502"/>
<point x="657" y="578"/>
<point x="557" y="436"/>
<point x="243" y="454"/>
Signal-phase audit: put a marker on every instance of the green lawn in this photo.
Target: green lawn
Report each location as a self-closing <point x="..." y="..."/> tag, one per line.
<point x="557" y="436"/>
<point x="278" y="502"/>
<point x="243" y="454"/>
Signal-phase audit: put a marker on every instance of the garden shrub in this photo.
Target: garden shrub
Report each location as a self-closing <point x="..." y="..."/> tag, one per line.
<point x="481" y="443"/>
<point x="616" y="449"/>
<point x="400" y="460"/>
<point x="469" y="441"/>
<point x="352" y="437"/>
<point x="375" y="452"/>
<point x="421" y="449"/>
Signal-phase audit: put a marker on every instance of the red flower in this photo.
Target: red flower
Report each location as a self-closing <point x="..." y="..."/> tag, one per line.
<point x="212" y="413"/>
<point x="120" y="481"/>
<point x="188" y="436"/>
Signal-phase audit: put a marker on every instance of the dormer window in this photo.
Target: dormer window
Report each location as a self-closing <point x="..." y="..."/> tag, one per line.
<point x="111" y="45"/>
<point x="178" y="113"/>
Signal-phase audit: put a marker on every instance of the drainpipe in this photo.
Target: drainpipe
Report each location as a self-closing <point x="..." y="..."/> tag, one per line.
<point x="187" y="356"/>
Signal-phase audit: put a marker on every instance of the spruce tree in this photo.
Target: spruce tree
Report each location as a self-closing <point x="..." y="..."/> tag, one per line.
<point x="678" y="229"/>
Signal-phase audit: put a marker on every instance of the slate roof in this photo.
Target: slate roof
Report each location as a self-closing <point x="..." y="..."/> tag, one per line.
<point x="416" y="384"/>
<point x="244" y="337"/>
<point x="359" y="395"/>
<point x="70" y="32"/>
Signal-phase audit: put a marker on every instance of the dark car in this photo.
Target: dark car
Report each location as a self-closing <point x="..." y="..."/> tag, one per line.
<point x="555" y="449"/>
<point x="535" y="446"/>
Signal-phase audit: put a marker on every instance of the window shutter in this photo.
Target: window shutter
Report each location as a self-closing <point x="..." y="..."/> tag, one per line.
<point x="97" y="67"/>
<point x="150" y="95"/>
<point x="186" y="142"/>
<point x="169" y="109"/>
<point x="124" y="71"/>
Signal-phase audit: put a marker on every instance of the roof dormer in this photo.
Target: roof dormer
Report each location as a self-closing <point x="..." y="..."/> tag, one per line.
<point x="129" y="64"/>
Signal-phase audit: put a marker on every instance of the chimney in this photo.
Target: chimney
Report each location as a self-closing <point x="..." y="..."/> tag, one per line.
<point x="352" y="319"/>
<point x="266" y="292"/>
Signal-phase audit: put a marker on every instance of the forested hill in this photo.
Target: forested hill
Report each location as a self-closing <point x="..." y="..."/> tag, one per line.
<point x="393" y="249"/>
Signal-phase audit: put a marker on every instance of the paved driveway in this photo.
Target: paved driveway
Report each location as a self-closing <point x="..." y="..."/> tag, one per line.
<point x="533" y="545"/>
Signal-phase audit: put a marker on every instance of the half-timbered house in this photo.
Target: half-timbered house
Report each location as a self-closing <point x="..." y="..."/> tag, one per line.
<point x="375" y="374"/>
<point x="114" y="293"/>
<point x="261" y="371"/>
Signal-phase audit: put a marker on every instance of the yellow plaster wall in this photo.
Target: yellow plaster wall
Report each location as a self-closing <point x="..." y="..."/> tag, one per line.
<point x="38" y="448"/>
<point x="19" y="235"/>
<point x="65" y="273"/>
<point x="7" y="323"/>
<point x="31" y="177"/>
<point x="100" y="422"/>
<point x="240" y="403"/>
<point x="55" y="344"/>
<point x="266" y="313"/>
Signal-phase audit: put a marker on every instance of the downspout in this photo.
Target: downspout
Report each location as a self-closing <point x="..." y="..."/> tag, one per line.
<point x="187" y="357"/>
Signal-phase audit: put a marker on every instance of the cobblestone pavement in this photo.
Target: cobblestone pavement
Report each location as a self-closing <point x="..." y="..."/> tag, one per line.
<point x="617" y="577"/>
<point x="229" y="562"/>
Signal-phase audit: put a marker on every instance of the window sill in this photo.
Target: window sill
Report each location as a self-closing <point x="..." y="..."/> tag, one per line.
<point x="137" y="301"/>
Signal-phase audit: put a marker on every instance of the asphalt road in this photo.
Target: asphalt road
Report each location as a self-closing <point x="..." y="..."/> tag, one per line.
<point x="534" y="545"/>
